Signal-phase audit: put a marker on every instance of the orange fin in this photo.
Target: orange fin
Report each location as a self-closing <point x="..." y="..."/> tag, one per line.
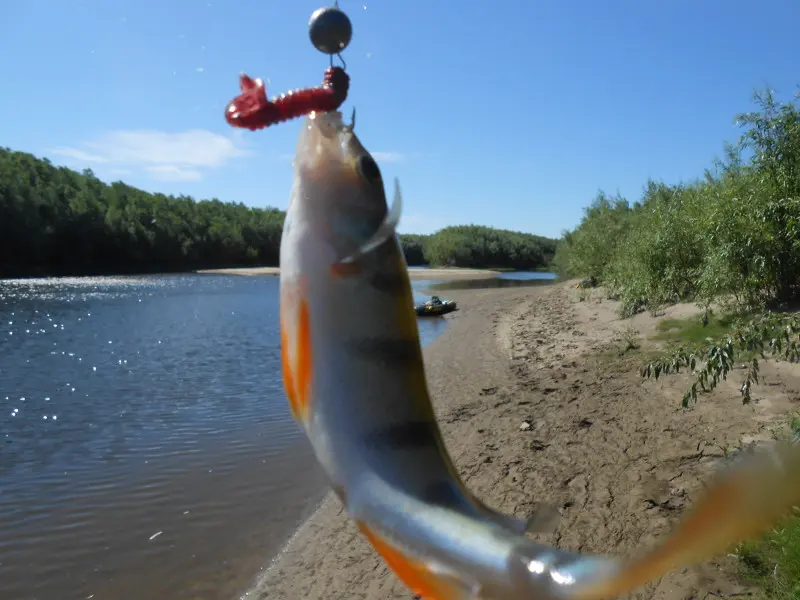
<point x="425" y="580"/>
<point x="743" y="503"/>
<point x="286" y="368"/>
<point x="303" y="364"/>
<point x="296" y="361"/>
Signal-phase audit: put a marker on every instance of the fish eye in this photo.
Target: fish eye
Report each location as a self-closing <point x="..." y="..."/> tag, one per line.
<point x="369" y="168"/>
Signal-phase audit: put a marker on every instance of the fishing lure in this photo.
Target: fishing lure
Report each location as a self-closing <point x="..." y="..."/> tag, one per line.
<point x="252" y="110"/>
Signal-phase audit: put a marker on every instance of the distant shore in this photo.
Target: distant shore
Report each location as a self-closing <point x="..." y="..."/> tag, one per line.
<point x="415" y="274"/>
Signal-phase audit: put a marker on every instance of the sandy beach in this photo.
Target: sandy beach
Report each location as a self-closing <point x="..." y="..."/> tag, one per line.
<point x="414" y="274"/>
<point x="616" y="454"/>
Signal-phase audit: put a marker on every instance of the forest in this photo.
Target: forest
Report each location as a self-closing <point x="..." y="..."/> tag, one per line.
<point x="56" y="221"/>
<point x="732" y="235"/>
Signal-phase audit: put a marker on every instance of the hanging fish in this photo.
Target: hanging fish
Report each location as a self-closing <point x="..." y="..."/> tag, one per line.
<point x="354" y="376"/>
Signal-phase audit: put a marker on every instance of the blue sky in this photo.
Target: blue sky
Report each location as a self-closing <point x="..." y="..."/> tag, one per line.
<point x="511" y="114"/>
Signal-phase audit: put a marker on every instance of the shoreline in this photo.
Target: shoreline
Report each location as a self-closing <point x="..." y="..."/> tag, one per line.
<point x="415" y="274"/>
<point x="537" y="404"/>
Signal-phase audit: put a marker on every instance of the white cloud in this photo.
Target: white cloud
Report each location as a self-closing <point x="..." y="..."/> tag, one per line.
<point x="196" y="147"/>
<point x="173" y="173"/>
<point x="164" y="156"/>
<point x="78" y="155"/>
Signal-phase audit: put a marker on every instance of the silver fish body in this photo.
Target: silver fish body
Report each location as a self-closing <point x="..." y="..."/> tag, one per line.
<point x="354" y="375"/>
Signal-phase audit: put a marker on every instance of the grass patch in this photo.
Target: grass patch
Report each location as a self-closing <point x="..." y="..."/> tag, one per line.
<point x="630" y="340"/>
<point x="693" y="330"/>
<point x="772" y="562"/>
<point x="620" y="357"/>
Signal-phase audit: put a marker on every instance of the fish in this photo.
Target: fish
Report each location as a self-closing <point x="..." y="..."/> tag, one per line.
<point x="355" y="381"/>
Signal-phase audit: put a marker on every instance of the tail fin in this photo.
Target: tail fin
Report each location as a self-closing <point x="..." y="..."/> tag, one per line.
<point x="745" y="501"/>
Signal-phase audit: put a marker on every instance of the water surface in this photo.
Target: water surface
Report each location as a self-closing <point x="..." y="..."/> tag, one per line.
<point x="146" y="446"/>
<point x="503" y="279"/>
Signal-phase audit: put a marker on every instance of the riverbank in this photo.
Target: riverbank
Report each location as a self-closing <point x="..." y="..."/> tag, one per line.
<point x="414" y="274"/>
<point x="540" y="400"/>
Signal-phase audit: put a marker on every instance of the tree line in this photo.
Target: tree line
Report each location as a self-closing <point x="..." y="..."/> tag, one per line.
<point x="55" y="221"/>
<point x="731" y="235"/>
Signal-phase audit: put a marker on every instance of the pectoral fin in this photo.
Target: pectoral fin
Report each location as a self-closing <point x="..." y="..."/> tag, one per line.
<point x="385" y="230"/>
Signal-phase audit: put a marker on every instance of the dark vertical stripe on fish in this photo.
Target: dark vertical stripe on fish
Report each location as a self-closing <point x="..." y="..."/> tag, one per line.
<point x="443" y="493"/>
<point x="388" y="281"/>
<point x="391" y="274"/>
<point x="393" y="352"/>
<point x="409" y="435"/>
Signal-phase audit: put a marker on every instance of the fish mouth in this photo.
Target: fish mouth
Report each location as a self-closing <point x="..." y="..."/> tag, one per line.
<point x="324" y="144"/>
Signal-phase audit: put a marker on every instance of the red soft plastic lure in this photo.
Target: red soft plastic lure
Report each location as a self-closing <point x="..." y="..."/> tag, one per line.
<point x="251" y="109"/>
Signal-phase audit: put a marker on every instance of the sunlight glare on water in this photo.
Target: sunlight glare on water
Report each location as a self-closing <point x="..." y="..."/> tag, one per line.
<point x="145" y="431"/>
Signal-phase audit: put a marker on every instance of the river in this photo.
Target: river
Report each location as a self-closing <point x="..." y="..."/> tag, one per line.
<point x="146" y="447"/>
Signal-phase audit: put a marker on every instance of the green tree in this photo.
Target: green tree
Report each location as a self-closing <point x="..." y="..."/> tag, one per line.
<point x="733" y="235"/>
<point x="54" y="220"/>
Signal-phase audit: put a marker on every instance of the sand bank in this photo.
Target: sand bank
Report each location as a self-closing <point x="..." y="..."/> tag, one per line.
<point x="414" y="274"/>
<point x="614" y="453"/>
